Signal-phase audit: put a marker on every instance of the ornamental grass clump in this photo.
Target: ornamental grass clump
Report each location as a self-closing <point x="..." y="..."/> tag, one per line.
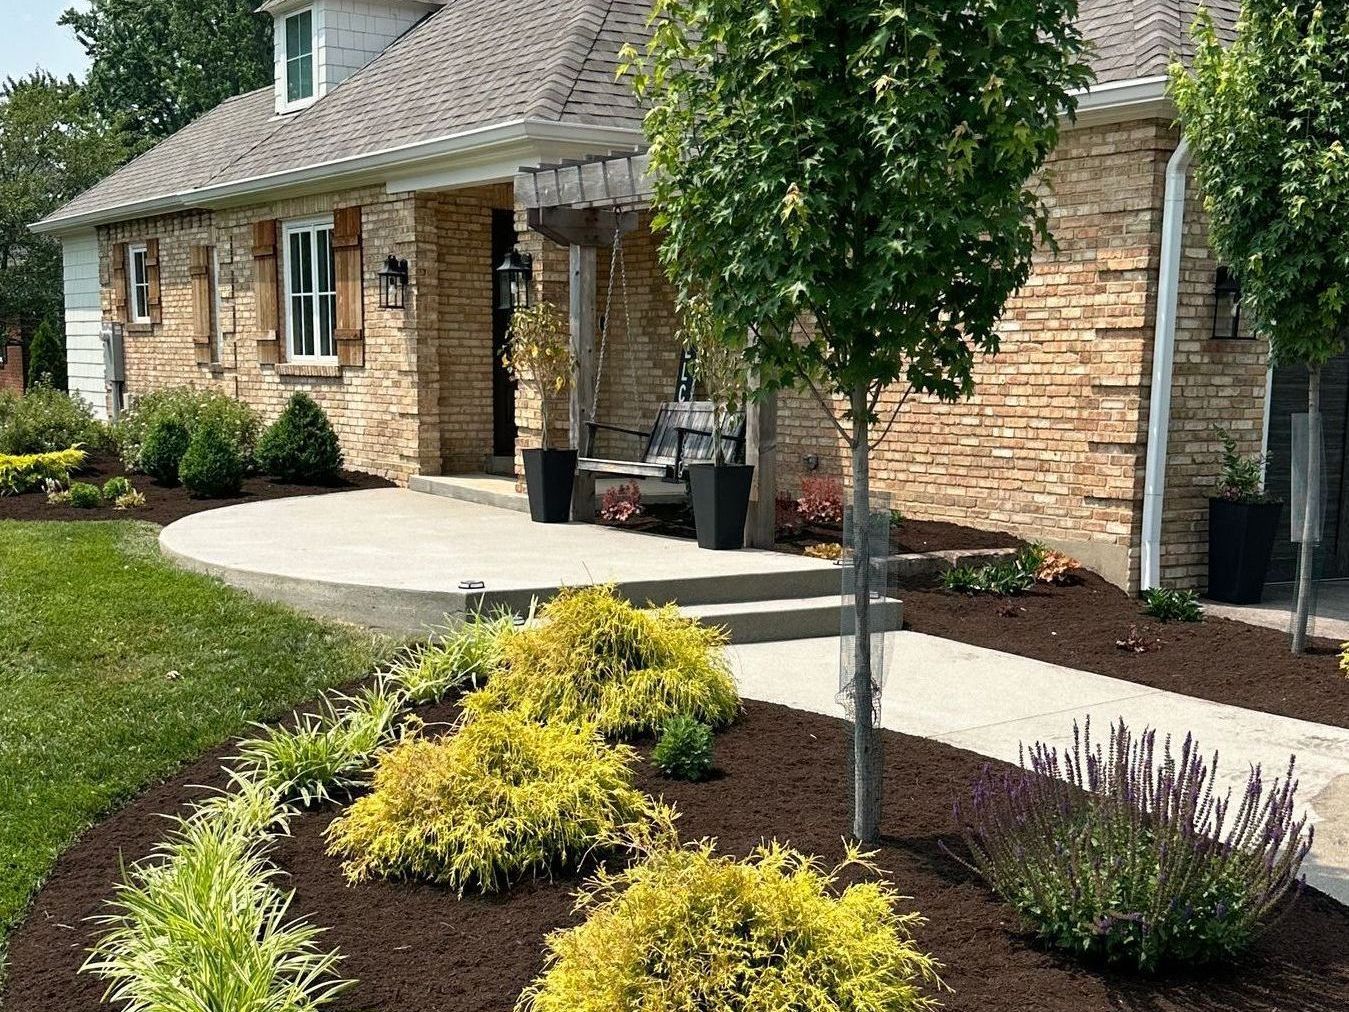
<point x="326" y="753"/>
<point x="498" y="799"/>
<point x="464" y="657"/>
<point x="689" y="929"/>
<point x="1113" y="855"/>
<point x="202" y="924"/>
<point x="593" y="657"/>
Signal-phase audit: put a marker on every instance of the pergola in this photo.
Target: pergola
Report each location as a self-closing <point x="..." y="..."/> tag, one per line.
<point x="583" y="204"/>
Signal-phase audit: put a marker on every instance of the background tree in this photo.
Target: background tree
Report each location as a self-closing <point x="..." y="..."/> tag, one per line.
<point x="52" y="146"/>
<point x="159" y="64"/>
<point x="849" y="184"/>
<point x="47" y="357"/>
<point x="1268" y="121"/>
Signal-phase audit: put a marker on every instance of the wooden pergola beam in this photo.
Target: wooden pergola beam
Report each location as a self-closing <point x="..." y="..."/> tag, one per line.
<point x="569" y="226"/>
<point x="614" y="181"/>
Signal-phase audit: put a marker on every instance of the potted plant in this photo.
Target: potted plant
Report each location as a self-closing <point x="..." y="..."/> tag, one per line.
<point x="719" y="490"/>
<point x="538" y="354"/>
<point x="1242" y="521"/>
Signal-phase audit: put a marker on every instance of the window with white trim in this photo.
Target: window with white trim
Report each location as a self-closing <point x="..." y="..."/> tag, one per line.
<point x="311" y="291"/>
<point x="300" y="56"/>
<point x="138" y="283"/>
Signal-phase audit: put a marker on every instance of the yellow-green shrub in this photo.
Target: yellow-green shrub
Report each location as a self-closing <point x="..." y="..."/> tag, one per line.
<point x="499" y="798"/>
<point x="26" y="471"/>
<point x="595" y="657"/>
<point x="687" y="929"/>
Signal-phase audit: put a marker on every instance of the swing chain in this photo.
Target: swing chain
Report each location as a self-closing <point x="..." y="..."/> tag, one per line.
<point x="616" y="251"/>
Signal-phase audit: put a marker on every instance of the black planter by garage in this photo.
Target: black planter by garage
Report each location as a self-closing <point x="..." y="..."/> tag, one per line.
<point x="720" y="494"/>
<point x="1240" y="540"/>
<point x="549" y="476"/>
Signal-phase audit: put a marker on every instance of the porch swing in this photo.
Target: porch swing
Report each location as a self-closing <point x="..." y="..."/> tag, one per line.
<point x="682" y="432"/>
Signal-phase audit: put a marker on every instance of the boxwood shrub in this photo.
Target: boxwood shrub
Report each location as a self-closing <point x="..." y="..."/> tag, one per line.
<point x="301" y="444"/>
<point x="163" y="450"/>
<point x="211" y="466"/>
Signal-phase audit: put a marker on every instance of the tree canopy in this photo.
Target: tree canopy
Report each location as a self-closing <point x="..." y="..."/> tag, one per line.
<point x="52" y="146"/>
<point x="159" y="64"/>
<point x="1268" y="121"/>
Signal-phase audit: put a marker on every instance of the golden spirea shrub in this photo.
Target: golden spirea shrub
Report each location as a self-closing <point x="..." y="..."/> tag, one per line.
<point x="688" y="929"/>
<point x="499" y="798"/>
<point x="594" y="657"/>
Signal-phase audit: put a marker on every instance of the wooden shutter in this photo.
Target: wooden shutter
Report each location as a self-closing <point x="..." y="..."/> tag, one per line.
<point x="152" y="276"/>
<point x="117" y="279"/>
<point x="265" y="295"/>
<point x="348" y="275"/>
<point x="203" y="304"/>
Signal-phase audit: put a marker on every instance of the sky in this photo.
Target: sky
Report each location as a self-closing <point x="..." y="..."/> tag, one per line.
<point x="31" y="38"/>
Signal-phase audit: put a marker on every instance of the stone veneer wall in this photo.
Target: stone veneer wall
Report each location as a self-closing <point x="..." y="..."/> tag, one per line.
<point x="375" y="410"/>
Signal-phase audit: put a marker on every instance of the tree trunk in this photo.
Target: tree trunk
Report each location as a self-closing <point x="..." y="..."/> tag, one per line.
<point x="866" y="739"/>
<point x="1306" y="551"/>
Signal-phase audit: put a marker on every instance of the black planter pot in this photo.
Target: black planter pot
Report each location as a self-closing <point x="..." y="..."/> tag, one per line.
<point x="1240" y="539"/>
<point x="720" y="494"/>
<point x="549" y="476"/>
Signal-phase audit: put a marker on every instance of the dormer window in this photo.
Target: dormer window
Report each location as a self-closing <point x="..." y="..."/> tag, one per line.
<point x="300" y="56"/>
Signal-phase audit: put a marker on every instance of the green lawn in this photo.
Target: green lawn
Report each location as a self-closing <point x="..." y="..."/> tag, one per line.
<point x="116" y="667"/>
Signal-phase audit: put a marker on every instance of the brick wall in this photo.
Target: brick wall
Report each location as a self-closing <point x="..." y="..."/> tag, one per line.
<point x="375" y="409"/>
<point x="13" y="363"/>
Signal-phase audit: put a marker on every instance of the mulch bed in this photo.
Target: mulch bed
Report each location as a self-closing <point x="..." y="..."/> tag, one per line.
<point x="164" y="505"/>
<point x="675" y="520"/>
<point x="1078" y="626"/>
<point x="418" y="948"/>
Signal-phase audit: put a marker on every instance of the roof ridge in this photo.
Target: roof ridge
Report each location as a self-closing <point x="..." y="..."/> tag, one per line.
<point x="580" y="39"/>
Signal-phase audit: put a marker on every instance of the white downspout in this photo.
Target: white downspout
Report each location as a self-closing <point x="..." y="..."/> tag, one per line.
<point x="1163" y="355"/>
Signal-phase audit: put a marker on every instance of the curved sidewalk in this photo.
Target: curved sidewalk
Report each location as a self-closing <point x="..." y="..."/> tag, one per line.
<point x="991" y="702"/>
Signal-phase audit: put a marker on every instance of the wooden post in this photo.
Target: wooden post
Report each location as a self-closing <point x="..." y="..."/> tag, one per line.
<point x="761" y="450"/>
<point x="582" y="298"/>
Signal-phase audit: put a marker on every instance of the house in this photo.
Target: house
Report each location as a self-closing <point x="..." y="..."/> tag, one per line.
<point x="244" y="252"/>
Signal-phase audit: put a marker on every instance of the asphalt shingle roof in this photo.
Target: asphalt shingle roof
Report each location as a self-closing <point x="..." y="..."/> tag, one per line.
<point x="475" y="63"/>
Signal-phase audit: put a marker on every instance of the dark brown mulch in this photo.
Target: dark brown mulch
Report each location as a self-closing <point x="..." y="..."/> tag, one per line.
<point x="419" y="949"/>
<point x="675" y="520"/>
<point x="1079" y="625"/>
<point x="164" y="505"/>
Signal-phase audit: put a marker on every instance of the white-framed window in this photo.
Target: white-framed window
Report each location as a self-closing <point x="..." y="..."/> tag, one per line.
<point x="300" y="56"/>
<point x="311" y="290"/>
<point x="138" y="282"/>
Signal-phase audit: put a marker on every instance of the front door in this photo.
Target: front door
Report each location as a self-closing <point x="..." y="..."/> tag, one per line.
<point x="1289" y="398"/>
<point x="503" y="386"/>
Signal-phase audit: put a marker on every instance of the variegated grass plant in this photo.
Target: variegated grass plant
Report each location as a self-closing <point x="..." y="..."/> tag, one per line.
<point x="327" y="752"/>
<point x="463" y="656"/>
<point x="594" y="657"/>
<point x="1122" y="854"/>
<point x="500" y="798"/>
<point x="689" y="929"/>
<point x="202" y="924"/>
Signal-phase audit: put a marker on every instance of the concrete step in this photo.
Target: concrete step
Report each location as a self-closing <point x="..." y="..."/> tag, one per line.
<point x="483" y="489"/>
<point x="795" y="618"/>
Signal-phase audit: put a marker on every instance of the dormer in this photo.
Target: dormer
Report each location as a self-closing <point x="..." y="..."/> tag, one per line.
<point x="318" y="44"/>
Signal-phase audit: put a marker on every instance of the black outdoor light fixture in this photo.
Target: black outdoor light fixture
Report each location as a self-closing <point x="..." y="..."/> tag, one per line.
<point x="1226" y="306"/>
<point x="393" y="283"/>
<point x="513" y="276"/>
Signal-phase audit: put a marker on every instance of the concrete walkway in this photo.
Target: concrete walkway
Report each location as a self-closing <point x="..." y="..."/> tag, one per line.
<point x="1330" y="609"/>
<point x="990" y="702"/>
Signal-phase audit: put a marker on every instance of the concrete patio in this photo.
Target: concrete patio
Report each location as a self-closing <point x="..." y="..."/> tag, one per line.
<point x="1330" y="613"/>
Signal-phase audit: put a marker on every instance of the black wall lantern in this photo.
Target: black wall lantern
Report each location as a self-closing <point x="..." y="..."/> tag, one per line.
<point x="513" y="278"/>
<point x="393" y="284"/>
<point x="1226" y="306"/>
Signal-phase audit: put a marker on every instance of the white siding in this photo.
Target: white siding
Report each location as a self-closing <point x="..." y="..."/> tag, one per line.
<point x="84" y="318"/>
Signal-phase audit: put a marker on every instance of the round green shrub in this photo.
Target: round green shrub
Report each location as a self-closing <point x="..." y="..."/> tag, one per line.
<point x="211" y="466"/>
<point x="116" y="487"/>
<point x="84" y="496"/>
<point x="684" y="751"/>
<point x="163" y="450"/>
<point x="300" y="445"/>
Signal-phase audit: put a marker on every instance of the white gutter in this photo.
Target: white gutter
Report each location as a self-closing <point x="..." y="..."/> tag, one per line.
<point x="1115" y="101"/>
<point x="1163" y="355"/>
<point x="479" y="139"/>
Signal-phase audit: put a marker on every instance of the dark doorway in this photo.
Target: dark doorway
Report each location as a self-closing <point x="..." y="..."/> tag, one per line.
<point x="1289" y="398"/>
<point x="503" y="386"/>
